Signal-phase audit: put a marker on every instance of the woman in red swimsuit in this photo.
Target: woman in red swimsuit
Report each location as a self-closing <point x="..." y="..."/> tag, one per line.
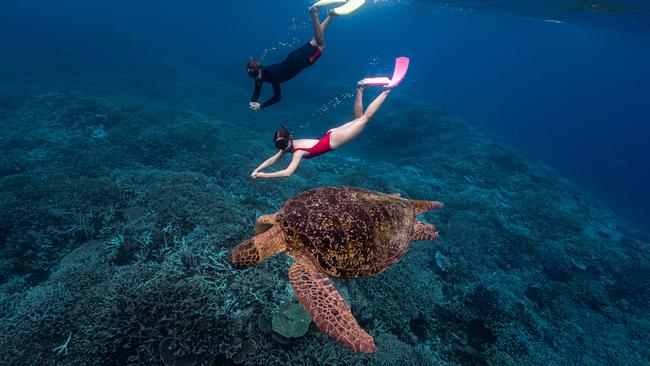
<point x="333" y="139"/>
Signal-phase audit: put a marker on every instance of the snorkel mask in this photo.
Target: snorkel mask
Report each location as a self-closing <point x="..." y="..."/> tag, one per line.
<point x="253" y="73"/>
<point x="282" y="138"/>
<point x="253" y="67"/>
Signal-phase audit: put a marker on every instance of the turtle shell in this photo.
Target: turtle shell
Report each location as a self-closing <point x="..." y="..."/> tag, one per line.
<point x="348" y="232"/>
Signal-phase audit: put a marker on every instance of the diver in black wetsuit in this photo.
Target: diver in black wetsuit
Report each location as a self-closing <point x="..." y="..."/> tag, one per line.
<point x="295" y="62"/>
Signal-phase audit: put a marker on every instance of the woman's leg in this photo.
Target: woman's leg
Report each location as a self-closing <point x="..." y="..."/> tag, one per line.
<point x="374" y="106"/>
<point x="358" y="109"/>
<point x="319" y="28"/>
<point x="342" y="135"/>
<point x="327" y="20"/>
<point x="358" y="102"/>
<point x="319" y="38"/>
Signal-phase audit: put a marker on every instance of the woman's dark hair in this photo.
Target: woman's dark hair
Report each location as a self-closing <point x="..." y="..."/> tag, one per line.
<point x="253" y="67"/>
<point x="282" y="138"/>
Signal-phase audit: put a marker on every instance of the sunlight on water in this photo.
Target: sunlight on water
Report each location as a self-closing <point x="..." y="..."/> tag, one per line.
<point x="633" y="16"/>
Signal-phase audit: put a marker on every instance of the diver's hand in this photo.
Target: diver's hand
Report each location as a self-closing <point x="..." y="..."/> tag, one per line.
<point x="255" y="106"/>
<point x="254" y="174"/>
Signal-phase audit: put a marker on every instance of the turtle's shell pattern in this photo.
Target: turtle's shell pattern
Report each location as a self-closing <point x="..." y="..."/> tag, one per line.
<point x="348" y="232"/>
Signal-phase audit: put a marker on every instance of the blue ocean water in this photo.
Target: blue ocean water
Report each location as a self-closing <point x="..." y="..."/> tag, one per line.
<point x="571" y="95"/>
<point x="128" y="144"/>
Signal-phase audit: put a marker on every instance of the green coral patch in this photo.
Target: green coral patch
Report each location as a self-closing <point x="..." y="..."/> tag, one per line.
<point x="291" y="321"/>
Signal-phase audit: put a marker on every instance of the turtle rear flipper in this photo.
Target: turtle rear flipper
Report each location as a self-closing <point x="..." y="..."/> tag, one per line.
<point x="424" y="231"/>
<point x="332" y="316"/>
<point x="256" y="249"/>
<point x="422" y="206"/>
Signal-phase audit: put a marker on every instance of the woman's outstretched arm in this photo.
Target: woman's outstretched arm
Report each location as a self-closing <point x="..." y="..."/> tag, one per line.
<point x="270" y="161"/>
<point x="285" y="172"/>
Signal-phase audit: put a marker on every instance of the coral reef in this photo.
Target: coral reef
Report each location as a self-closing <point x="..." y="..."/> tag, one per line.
<point x="291" y="320"/>
<point x="116" y="215"/>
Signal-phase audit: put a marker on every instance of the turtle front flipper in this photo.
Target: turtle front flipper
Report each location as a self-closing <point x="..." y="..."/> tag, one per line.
<point x="424" y="231"/>
<point x="263" y="223"/>
<point x="258" y="248"/>
<point x="332" y="316"/>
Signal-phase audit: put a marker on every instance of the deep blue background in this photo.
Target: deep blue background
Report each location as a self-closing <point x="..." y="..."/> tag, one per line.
<point x="573" y="96"/>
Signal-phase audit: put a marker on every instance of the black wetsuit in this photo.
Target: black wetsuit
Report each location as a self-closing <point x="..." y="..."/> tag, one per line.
<point x="298" y="60"/>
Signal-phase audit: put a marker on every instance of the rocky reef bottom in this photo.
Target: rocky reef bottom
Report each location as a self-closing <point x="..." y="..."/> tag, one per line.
<point x="117" y="213"/>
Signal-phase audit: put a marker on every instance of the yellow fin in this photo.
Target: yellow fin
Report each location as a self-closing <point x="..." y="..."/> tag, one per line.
<point x="349" y="7"/>
<point x="328" y="2"/>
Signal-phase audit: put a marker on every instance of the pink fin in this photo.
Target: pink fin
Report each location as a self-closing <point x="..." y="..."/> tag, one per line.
<point x="401" y="67"/>
<point x="378" y="81"/>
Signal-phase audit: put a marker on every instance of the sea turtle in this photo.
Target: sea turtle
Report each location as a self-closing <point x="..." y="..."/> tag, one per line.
<point x="340" y="232"/>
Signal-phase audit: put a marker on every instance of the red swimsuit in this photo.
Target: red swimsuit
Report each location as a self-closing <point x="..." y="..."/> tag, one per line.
<point x="320" y="148"/>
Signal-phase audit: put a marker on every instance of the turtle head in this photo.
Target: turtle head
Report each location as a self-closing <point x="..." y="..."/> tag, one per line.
<point x="244" y="255"/>
<point x="256" y="249"/>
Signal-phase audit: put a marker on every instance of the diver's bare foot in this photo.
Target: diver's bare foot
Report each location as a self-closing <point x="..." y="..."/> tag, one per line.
<point x="332" y="14"/>
<point x="314" y="9"/>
